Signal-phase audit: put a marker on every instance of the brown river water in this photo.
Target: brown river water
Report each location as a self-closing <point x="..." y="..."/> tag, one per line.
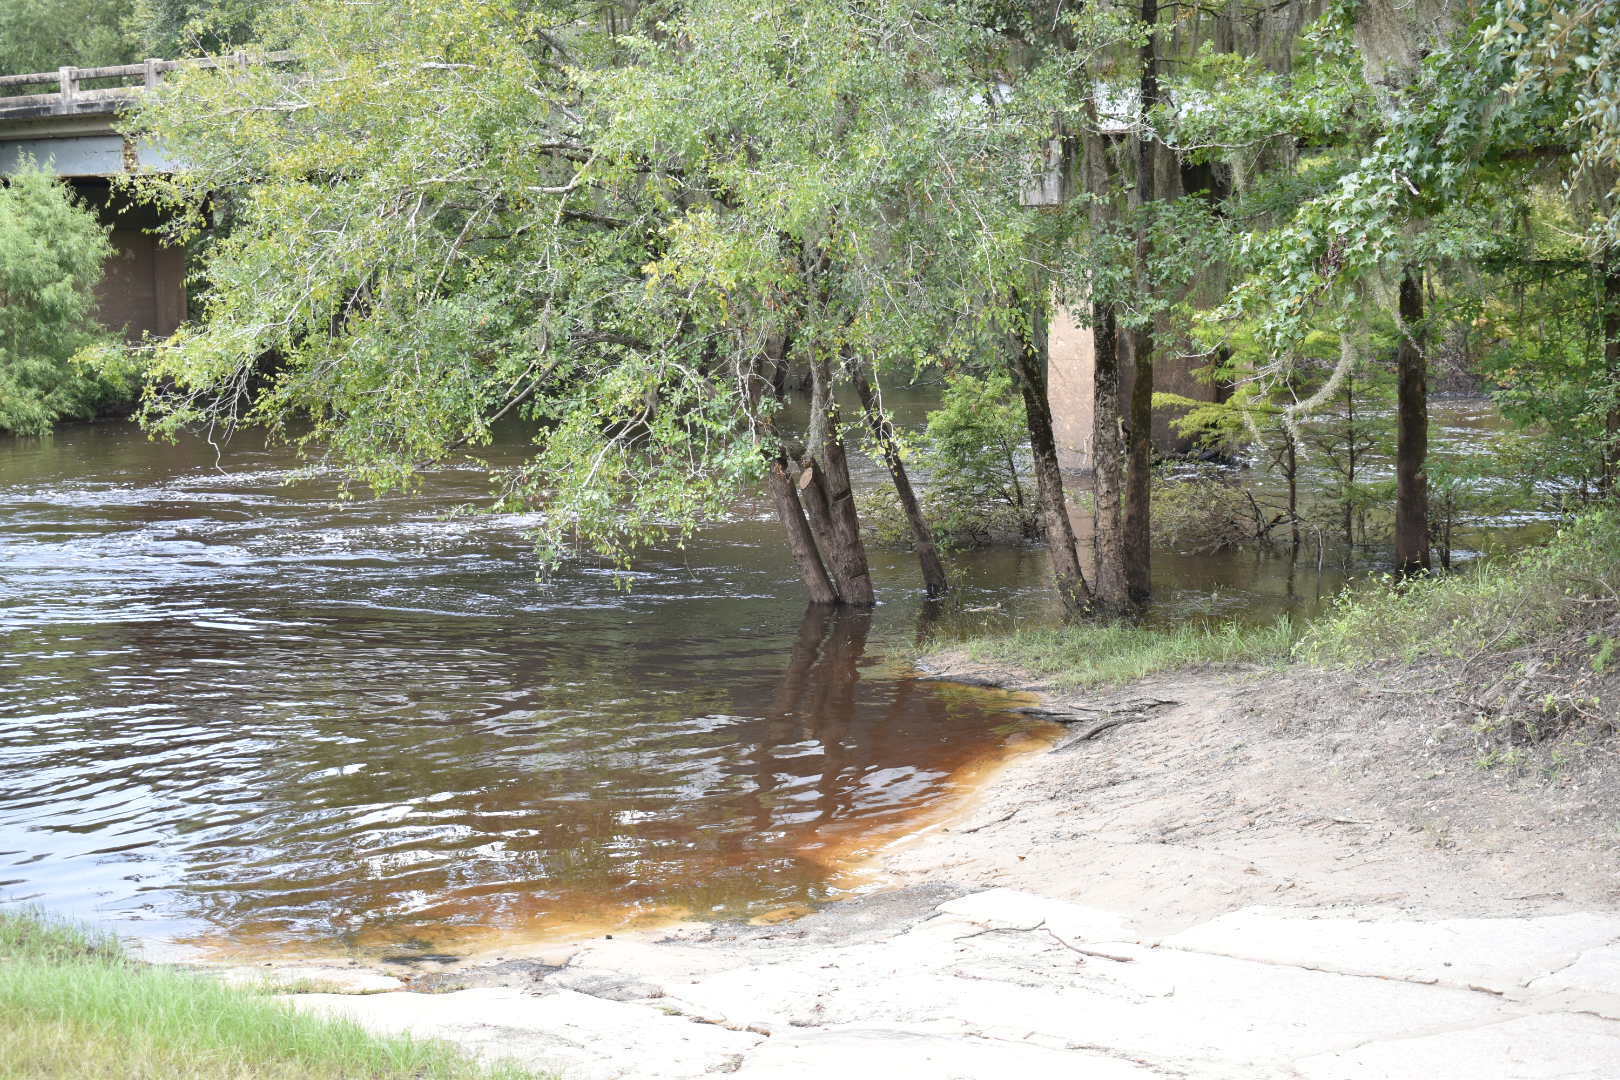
<point x="238" y="710"/>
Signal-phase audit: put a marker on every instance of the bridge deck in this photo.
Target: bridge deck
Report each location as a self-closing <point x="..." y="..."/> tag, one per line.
<point x="71" y="97"/>
<point x="72" y="129"/>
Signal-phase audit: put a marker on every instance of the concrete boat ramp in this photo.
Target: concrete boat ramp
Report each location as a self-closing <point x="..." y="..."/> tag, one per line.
<point x="1003" y="983"/>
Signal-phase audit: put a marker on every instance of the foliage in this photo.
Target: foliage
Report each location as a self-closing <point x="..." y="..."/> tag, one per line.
<point x="1522" y="647"/>
<point x="174" y="28"/>
<point x="43" y="35"/>
<point x="1421" y="156"/>
<point x="1567" y="54"/>
<point x="597" y="232"/>
<point x="971" y="457"/>
<point x="1546" y="360"/>
<point x="473" y="263"/>
<point x="71" y="1005"/>
<point x="1525" y="638"/>
<point x="29" y="934"/>
<point x="1492" y="606"/>
<point x="1108" y="653"/>
<point x="51" y="255"/>
<point x="614" y="223"/>
<point x="1473" y="484"/>
<point x="844" y="180"/>
<point x="1202" y="510"/>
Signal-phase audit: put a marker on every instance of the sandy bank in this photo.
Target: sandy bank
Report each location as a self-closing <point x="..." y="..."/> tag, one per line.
<point x="1210" y="876"/>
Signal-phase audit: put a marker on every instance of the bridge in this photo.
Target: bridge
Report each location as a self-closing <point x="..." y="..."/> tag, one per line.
<point x="69" y="124"/>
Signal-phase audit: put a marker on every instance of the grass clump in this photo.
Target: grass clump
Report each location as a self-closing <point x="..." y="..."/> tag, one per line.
<point x="1526" y="647"/>
<point x="1493" y="606"/>
<point x="1104" y="653"/>
<point x="72" y="1005"/>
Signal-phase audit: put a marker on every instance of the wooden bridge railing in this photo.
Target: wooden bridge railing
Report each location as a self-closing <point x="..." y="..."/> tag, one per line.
<point x="71" y="95"/>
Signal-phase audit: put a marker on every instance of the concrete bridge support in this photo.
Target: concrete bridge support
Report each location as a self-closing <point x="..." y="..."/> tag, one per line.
<point x="1071" y="372"/>
<point x="143" y="292"/>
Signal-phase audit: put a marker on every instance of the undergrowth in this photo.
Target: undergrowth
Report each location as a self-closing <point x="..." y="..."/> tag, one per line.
<point x="1093" y="654"/>
<point x="1527" y="644"/>
<point x="73" y="1006"/>
<point x="1520" y="649"/>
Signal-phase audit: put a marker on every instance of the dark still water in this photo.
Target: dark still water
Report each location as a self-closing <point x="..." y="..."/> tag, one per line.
<point x="247" y="711"/>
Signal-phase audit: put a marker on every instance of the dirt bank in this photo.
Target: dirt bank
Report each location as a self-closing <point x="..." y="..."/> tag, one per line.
<point x="1305" y="788"/>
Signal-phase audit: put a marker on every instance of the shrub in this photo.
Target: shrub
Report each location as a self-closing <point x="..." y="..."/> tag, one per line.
<point x="970" y="469"/>
<point x="1203" y="511"/>
<point x="51" y="256"/>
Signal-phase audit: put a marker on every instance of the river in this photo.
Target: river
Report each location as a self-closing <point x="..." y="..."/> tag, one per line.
<point x="241" y="709"/>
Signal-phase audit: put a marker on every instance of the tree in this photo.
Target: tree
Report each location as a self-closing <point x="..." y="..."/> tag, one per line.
<point x="43" y="35"/>
<point x="444" y="217"/>
<point x="51" y="255"/>
<point x="173" y="28"/>
<point x="413" y="240"/>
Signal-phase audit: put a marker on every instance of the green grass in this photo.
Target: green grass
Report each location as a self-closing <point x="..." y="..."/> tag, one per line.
<point x="1107" y="653"/>
<point x="72" y="1006"/>
<point x="1493" y="607"/>
<point x="1536" y="635"/>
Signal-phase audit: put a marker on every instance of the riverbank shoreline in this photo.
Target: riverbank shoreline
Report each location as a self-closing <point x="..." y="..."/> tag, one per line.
<point x="1216" y="873"/>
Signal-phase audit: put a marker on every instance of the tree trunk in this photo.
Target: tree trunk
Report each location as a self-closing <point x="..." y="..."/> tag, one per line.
<point x="1029" y="369"/>
<point x="1412" y="434"/>
<point x="1350" y="466"/>
<point x="1139" y="459"/>
<point x="1138" y="526"/>
<point x="1107" y="457"/>
<point x="1292" y="467"/>
<point x="801" y="542"/>
<point x="922" y="537"/>
<point x="829" y="501"/>
<point x="1610" y="480"/>
<point x="780" y="478"/>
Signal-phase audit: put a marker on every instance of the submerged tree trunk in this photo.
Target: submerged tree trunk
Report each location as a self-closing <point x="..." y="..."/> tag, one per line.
<point x="1412" y="434"/>
<point x="1139" y="459"/>
<point x="1291" y="470"/>
<point x="828" y="499"/>
<point x="1107" y="420"/>
<point x="812" y="496"/>
<point x="806" y="555"/>
<point x="1350" y="461"/>
<point x="1029" y="369"/>
<point x="1107" y="456"/>
<point x="1139" y="477"/>
<point x="922" y="537"/>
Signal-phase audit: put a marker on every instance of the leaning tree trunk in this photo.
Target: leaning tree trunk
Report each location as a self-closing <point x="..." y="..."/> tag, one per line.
<point x="781" y="478"/>
<point x="1139" y="451"/>
<point x="828" y="498"/>
<point x="1029" y="369"/>
<point x="818" y="584"/>
<point x="922" y="537"/>
<point x="1107" y="455"/>
<point x="1412" y="433"/>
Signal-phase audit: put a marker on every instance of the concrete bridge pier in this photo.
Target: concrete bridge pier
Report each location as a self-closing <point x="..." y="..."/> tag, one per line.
<point x="1071" y="370"/>
<point x="143" y="290"/>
